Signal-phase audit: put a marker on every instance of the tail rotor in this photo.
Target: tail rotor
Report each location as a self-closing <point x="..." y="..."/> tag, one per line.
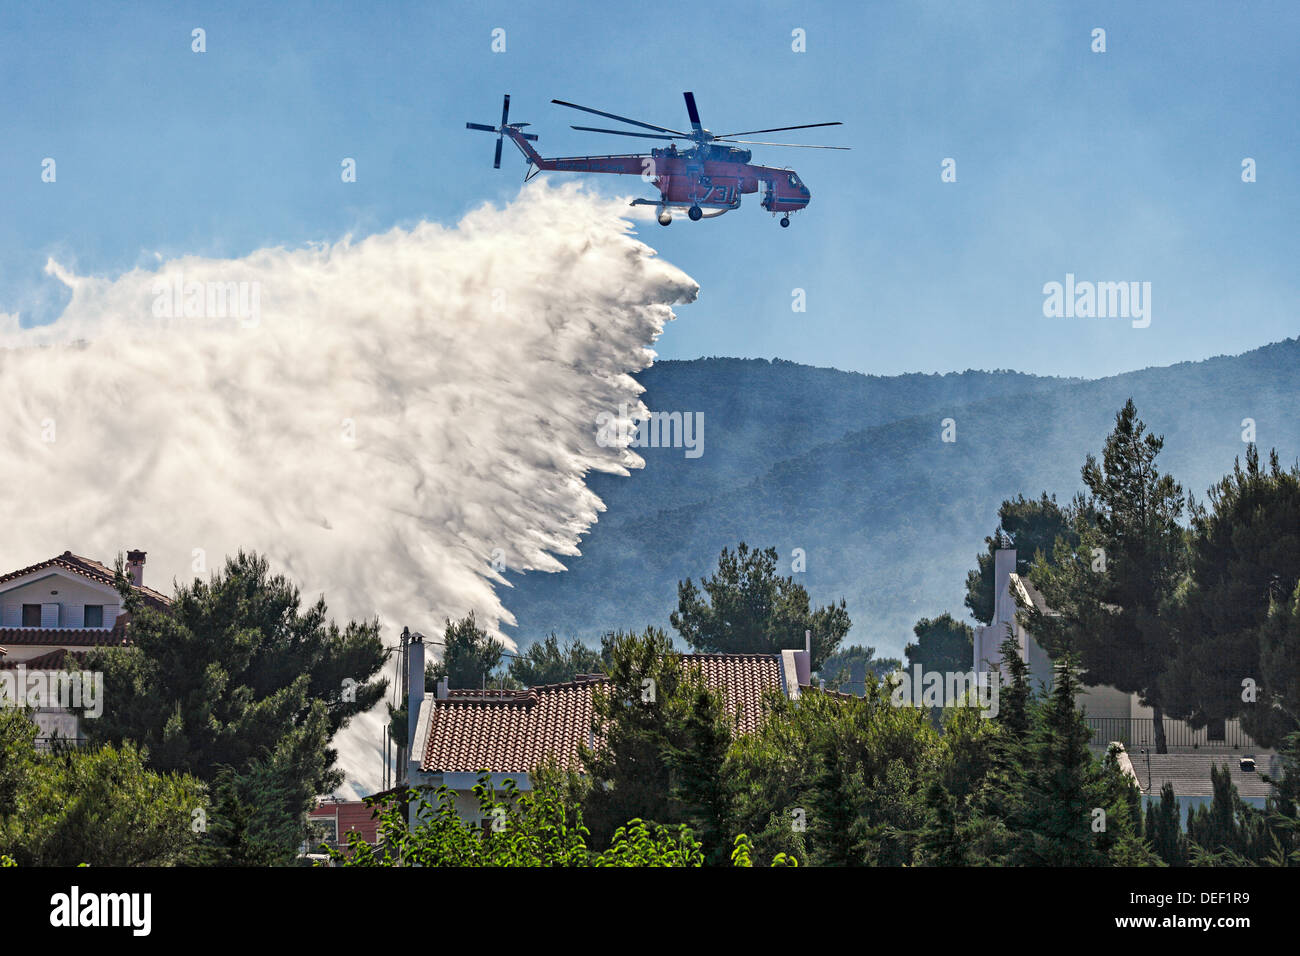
<point x="501" y="130"/>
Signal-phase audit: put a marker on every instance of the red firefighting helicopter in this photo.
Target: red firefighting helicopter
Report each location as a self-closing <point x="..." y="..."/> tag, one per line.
<point x="711" y="174"/>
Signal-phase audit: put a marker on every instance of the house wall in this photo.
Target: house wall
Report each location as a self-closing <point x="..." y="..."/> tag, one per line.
<point x="73" y="594"/>
<point x="462" y="787"/>
<point x="1095" y="701"/>
<point x="1106" y="702"/>
<point x="988" y="639"/>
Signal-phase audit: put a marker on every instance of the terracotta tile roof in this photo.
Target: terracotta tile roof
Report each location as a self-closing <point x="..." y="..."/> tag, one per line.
<point x="512" y="731"/>
<point x="65" y="636"/>
<point x="509" y="734"/>
<point x="743" y="678"/>
<point x="89" y="568"/>
<point x="49" y="661"/>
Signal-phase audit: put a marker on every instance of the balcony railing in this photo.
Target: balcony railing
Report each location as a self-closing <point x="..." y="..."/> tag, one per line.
<point x="1135" y="732"/>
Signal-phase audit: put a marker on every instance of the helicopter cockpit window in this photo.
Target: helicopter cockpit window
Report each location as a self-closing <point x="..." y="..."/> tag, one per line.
<point x="794" y="180"/>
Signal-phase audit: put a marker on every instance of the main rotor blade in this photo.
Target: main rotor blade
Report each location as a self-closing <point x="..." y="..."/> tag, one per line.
<point x="505" y="110"/>
<point x="621" y="119"/>
<point x="486" y="129"/>
<point x="779" y="129"/>
<point x="619" y="132"/>
<point x="692" y="112"/>
<point x="750" y="142"/>
<point x="496" y="163"/>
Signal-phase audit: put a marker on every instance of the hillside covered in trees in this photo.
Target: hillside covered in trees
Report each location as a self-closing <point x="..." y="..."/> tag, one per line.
<point x="853" y="469"/>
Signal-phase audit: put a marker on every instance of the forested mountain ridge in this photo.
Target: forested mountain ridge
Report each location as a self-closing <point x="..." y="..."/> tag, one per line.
<point x="853" y="469"/>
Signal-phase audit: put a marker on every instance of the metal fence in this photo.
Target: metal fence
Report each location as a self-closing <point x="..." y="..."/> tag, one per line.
<point x="1140" y="732"/>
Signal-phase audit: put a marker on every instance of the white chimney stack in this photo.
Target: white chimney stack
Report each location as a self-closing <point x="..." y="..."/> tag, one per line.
<point x="1004" y="605"/>
<point x="803" y="661"/>
<point x="135" y="567"/>
<point x="415" y="688"/>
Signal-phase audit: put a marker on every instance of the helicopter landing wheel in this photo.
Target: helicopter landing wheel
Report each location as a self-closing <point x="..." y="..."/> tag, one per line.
<point x="785" y="222"/>
<point x="695" y="212"/>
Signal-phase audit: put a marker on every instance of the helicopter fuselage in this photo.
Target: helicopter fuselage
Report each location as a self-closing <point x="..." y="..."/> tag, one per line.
<point x="708" y="176"/>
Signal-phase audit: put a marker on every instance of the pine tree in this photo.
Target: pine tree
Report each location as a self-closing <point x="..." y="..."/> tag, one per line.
<point x="1110" y="599"/>
<point x="1015" y="695"/>
<point x="1164" y="828"/>
<point x="943" y="644"/>
<point x="238" y="677"/>
<point x="470" y="656"/>
<point x="954" y="833"/>
<point x="699" y="735"/>
<point x="751" y="610"/>
<point x="998" y="802"/>
<point x="549" y="662"/>
<point x="1244" y="563"/>
<point x="1062" y="783"/>
<point x="627" y="761"/>
<point x="940" y="842"/>
<point x="1228" y="827"/>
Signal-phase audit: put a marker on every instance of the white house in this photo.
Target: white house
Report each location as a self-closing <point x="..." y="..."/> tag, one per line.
<point x="51" y="614"/>
<point x="1112" y="714"/>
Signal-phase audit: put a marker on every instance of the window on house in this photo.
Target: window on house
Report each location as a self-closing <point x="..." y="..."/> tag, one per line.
<point x="31" y="615"/>
<point x="323" y="830"/>
<point x="94" y="615"/>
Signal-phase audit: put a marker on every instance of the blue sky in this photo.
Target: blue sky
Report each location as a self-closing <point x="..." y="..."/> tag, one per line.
<point x="1119" y="166"/>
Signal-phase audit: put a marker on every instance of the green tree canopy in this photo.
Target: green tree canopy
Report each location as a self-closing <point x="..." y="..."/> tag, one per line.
<point x="1244" y="563"/>
<point x="537" y="827"/>
<point x="1031" y="527"/>
<point x="100" y="805"/>
<point x="549" y="662"/>
<point x="746" y="608"/>
<point x="835" y="780"/>
<point x="943" y="644"/>
<point x="470" y="656"/>
<point x="659" y="740"/>
<point x="1063" y="783"/>
<point x="238" y="675"/>
<point x="1278" y="693"/>
<point x="839" y="668"/>
<point x="1110" y="598"/>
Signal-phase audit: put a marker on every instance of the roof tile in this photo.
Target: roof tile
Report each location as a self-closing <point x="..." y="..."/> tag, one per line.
<point x="86" y="567"/>
<point x="513" y="731"/>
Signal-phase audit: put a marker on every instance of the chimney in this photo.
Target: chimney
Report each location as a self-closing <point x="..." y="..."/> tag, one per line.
<point x="803" y="661"/>
<point x="415" y="689"/>
<point x="1004" y="605"/>
<point x="444" y="688"/>
<point x="135" y="567"/>
<point x="988" y="639"/>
